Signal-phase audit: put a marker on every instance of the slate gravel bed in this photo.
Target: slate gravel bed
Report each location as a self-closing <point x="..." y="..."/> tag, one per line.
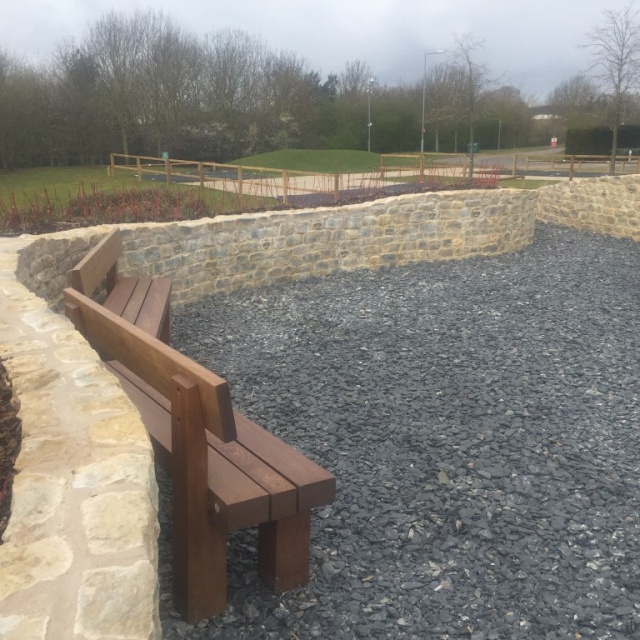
<point x="481" y="417"/>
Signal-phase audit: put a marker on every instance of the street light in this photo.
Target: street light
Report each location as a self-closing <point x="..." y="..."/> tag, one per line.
<point x="424" y="91"/>
<point x="369" y="123"/>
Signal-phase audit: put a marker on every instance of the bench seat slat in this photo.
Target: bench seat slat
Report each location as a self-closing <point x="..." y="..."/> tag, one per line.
<point x="316" y="487"/>
<point x="132" y="310"/>
<point x="153" y="314"/>
<point x="119" y="297"/>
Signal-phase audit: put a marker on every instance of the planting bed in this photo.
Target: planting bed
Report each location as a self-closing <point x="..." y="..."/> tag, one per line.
<point x="10" y="434"/>
<point x="482" y="419"/>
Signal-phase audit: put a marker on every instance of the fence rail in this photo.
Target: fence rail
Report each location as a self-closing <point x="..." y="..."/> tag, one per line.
<point x="290" y="186"/>
<point x="518" y="163"/>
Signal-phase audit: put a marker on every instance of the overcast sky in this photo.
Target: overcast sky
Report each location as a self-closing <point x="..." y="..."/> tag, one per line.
<point x="531" y="44"/>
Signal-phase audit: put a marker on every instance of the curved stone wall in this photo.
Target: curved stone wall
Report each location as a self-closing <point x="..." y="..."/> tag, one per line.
<point x="608" y="205"/>
<point x="231" y="252"/>
<point x="80" y="554"/>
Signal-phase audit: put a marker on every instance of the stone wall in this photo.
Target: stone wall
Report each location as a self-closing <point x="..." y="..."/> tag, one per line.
<point x="608" y="205"/>
<point x="231" y="252"/>
<point x="80" y="554"/>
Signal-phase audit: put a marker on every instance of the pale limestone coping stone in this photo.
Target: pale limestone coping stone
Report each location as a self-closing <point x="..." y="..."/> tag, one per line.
<point x="125" y="528"/>
<point x="22" y="627"/>
<point x="24" y="565"/>
<point x="100" y="615"/>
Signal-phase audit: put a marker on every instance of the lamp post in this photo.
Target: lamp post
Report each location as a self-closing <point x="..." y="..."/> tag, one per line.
<point x="424" y="91"/>
<point x="369" y="90"/>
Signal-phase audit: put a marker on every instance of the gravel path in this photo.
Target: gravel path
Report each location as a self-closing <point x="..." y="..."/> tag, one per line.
<point x="481" y="418"/>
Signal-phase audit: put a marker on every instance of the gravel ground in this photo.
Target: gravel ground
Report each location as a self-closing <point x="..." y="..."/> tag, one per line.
<point x="481" y="417"/>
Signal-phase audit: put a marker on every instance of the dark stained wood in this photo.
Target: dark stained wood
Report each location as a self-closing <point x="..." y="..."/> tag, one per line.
<point x="155" y="315"/>
<point x="120" y="295"/>
<point x="132" y="310"/>
<point x="155" y="362"/>
<point x="112" y="278"/>
<point x="236" y="499"/>
<point x="283" y="552"/>
<point x="144" y="302"/>
<point x="316" y="486"/>
<point x="199" y="546"/>
<point x="89" y="273"/>
<point x="72" y="311"/>
<point x="283" y="496"/>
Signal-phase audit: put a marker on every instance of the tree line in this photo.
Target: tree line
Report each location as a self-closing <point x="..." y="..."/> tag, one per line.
<point x="139" y="84"/>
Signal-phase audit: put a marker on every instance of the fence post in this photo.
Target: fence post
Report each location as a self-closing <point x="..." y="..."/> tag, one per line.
<point x="571" y="165"/>
<point x="167" y="168"/>
<point x="422" y="167"/>
<point x="240" y="183"/>
<point x="515" y="165"/>
<point x="201" y="174"/>
<point x="336" y="186"/>
<point x="111" y="171"/>
<point x="139" y="168"/>
<point x="285" y="187"/>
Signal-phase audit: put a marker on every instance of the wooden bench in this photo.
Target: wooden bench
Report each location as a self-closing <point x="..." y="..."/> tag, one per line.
<point x="144" y="302"/>
<point x="228" y="473"/>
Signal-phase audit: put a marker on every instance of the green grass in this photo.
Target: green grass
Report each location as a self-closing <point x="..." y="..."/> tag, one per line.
<point x="321" y="161"/>
<point x="62" y="185"/>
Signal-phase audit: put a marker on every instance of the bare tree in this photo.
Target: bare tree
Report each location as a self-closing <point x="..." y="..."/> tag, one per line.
<point x="355" y="79"/>
<point x="510" y="112"/>
<point x="234" y="65"/>
<point x="473" y="80"/>
<point x="117" y="44"/>
<point x="173" y="67"/>
<point x="615" y="53"/>
<point x="24" y="109"/>
<point x="441" y="86"/>
<point x="577" y="101"/>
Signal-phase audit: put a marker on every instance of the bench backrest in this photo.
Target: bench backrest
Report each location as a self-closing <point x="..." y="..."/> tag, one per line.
<point x="98" y="264"/>
<point x="152" y="360"/>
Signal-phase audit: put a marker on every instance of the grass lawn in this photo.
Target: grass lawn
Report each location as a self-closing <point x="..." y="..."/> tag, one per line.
<point x="321" y="161"/>
<point x="61" y="185"/>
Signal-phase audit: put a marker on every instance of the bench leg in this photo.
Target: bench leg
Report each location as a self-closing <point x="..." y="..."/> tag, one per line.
<point x="199" y="546"/>
<point x="283" y="552"/>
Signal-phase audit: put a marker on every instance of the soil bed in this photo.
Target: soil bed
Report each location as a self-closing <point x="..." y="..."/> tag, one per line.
<point x="481" y="417"/>
<point x="10" y="438"/>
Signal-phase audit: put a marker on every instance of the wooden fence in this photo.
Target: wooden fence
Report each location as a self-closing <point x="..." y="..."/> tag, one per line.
<point x="282" y="184"/>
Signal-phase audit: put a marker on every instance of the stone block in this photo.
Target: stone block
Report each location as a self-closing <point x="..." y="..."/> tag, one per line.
<point x="118" y="602"/>
<point x="135" y="468"/>
<point x="23" y="628"/>
<point x="24" y="565"/>
<point x="119" y="521"/>
<point x="36" y="501"/>
<point x="122" y="429"/>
